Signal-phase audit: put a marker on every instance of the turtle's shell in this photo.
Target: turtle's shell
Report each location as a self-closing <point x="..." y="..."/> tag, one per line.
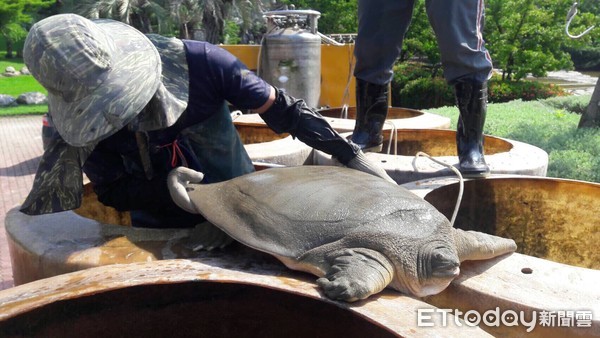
<point x="287" y="211"/>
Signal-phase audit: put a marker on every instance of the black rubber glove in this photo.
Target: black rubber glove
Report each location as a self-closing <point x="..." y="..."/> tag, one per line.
<point x="293" y="116"/>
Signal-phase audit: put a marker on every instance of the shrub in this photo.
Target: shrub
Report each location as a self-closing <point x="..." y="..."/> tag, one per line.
<point x="574" y="104"/>
<point x="575" y="162"/>
<point x="504" y="91"/>
<point x="405" y="72"/>
<point x="426" y="93"/>
<point x="586" y="58"/>
<point x="419" y="86"/>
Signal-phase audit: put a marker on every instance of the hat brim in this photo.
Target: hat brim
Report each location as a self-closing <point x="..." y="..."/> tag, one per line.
<point x="130" y="84"/>
<point x="171" y="97"/>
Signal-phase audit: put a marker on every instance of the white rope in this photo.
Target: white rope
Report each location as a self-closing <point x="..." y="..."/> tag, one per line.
<point x="393" y="137"/>
<point x="461" y="183"/>
<point x="344" y="111"/>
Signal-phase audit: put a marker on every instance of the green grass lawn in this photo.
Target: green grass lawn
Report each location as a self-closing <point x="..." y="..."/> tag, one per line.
<point x="17" y="63"/>
<point x="24" y="110"/>
<point x="18" y="85"/>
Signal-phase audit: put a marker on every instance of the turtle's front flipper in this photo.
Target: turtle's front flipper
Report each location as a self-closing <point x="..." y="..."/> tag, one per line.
<point x="355" y="274"/>
<point x="474" y="245"/>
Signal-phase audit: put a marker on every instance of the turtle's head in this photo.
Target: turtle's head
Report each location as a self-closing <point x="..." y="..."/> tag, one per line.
<point x="438" y="265"/>
<point x="435" y="265"/>
<point x="443" y="263"/>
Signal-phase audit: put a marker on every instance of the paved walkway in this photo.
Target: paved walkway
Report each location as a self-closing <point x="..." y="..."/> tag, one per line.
<point x="20" y="151"/>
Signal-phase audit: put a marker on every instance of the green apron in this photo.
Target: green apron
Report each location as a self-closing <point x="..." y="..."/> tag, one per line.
<point x="218" y="148"/>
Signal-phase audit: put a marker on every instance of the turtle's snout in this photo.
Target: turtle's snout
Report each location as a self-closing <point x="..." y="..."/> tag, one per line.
<point x="444" y="263"/>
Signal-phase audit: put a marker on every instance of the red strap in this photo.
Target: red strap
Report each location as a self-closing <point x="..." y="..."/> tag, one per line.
<point x="176" y="154"/>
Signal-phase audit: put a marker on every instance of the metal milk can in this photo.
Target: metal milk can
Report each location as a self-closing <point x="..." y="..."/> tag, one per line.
<point x="290" y="54"/>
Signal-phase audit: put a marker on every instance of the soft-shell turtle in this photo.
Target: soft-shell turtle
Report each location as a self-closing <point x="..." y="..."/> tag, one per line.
<point x="356" y="231"/>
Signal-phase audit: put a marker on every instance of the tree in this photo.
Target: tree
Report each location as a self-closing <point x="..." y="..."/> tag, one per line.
<point x="245" y="13"/>
<point x="187" y="14"/>
<point x="138" y="13"/>
<point x="337" y="16"/>
<point x="420" y="40"/>
<point x="248" y="17"/>
<point x="530" y="40"/>
<point x="591" y="117"/>
<point x="168" y="17"/>
<point x="213" y="19"/>
<point x="14" y="14"/>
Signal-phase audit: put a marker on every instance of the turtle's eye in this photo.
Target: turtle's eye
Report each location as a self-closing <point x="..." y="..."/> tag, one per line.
<point x="444" y="263"/>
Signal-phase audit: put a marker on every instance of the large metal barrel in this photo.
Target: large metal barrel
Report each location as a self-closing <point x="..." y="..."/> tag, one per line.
<point x="290" y="55"/>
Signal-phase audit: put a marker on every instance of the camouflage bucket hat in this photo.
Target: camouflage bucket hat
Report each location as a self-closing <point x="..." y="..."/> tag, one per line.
<point x="171" y="97"/>
<point x="99" y="74"/>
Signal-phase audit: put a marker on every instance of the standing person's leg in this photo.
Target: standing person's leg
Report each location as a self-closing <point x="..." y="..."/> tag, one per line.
<point x="458" y="25"/>
<point x="381" y="28"/>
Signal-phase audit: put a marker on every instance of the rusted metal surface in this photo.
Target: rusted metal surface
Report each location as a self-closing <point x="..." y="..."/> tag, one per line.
<point x="550" y="218"/>
<point x="394" y="113"/>
<point x="92" y="208"/>
<point x="240" y="294"/>
<point x="264" y="145"/>
<point x="256" y="132"/>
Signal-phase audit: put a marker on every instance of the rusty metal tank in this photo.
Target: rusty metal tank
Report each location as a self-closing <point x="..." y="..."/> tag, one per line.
<point x="550" y="218"/>
<point x="290" y="55"/>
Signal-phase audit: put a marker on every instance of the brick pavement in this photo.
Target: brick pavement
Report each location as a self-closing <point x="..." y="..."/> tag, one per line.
<point x="20" y="151"/>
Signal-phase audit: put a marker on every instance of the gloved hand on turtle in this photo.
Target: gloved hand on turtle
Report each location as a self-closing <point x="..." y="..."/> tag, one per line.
<point x="290" y="115"/>
<point x="204" y="236"/>
<point x="362" y="163"/>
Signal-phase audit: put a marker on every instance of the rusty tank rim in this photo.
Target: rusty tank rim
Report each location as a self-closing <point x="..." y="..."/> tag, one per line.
<point x="389" y="313"/>
<point x="343" y="119"/>
<point x="504" y="156"/>
<point x="398" y="118"/>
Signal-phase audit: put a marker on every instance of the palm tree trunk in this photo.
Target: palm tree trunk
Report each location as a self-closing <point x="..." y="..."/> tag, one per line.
<point x="213" y="23"/>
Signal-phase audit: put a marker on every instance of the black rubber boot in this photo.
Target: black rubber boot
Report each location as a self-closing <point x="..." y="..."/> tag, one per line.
<point x="371" y="111"/>
<point x="471" y="99"/>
